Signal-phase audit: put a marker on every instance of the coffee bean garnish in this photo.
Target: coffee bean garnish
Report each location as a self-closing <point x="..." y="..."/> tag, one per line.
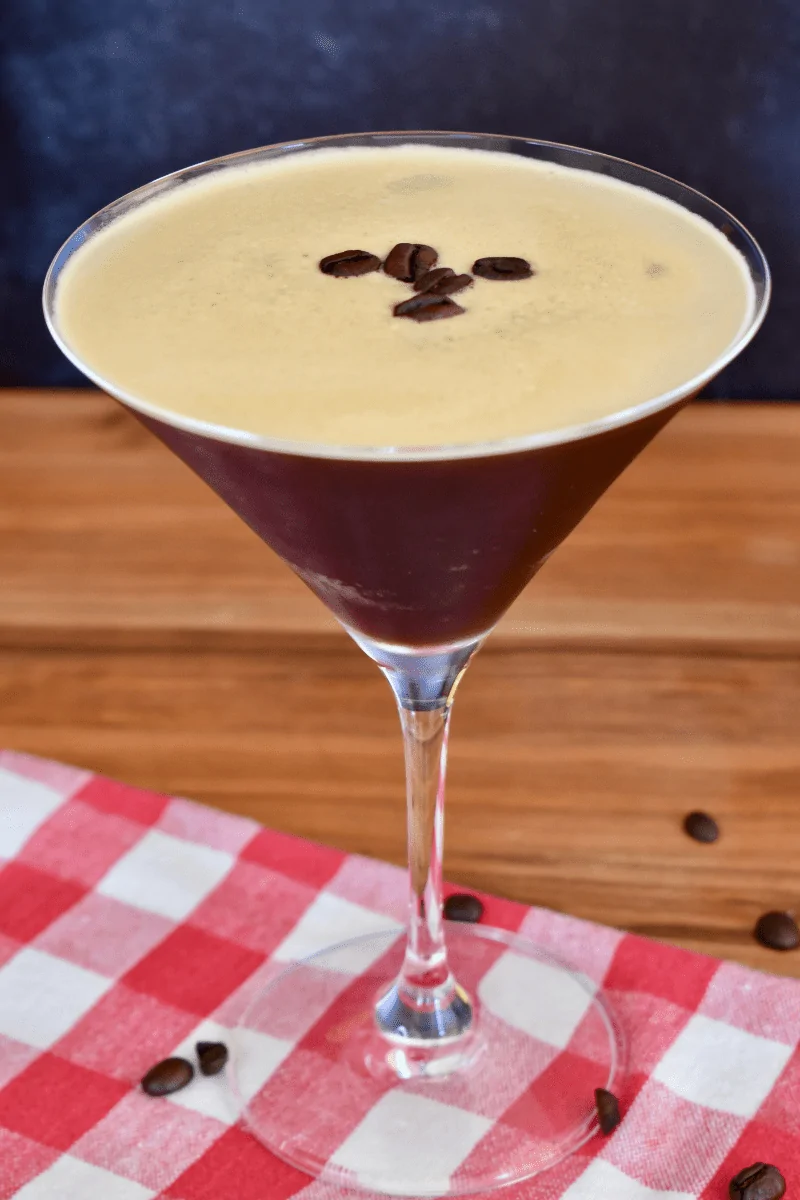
<point x="463" y="906"/>
<point x="212" y="1057"/>
<point x="167" y="1077"/>
<point x="349" y="263"/>
<point x="408" y="260"/>
<point x="415" y="263"/>
<point x="443" y="281"/>
<point x="608" y="1114"/>
<point x="428" y="308"/>
<point x="778" y="931"/>
<point x="759" y="1182"/>
<point x="502" y="268"/>
<point x="701" y="827"/>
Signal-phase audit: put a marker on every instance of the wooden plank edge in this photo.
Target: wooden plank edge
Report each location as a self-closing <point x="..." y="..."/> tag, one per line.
<point x="100" y="639"/>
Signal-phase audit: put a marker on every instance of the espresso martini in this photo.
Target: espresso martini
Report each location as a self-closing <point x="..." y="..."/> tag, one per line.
<point x="265" y="300"/>
<point x="412" y="362"/>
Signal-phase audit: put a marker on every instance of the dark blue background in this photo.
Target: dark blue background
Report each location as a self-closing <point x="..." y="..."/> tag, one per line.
<point x="98" y="96"/>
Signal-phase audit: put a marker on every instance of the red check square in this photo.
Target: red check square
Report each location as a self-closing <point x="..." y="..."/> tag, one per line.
<point x="193" y="970"/>
<point x="554" y="1095"/>
<point x="30" y="900"/>
<point x="39" y="1103"/>
<point x="237" y="1167"/>
<point x="307" y="862"/>
<point x="108" y="796"/>
<point x="666" y="971"/>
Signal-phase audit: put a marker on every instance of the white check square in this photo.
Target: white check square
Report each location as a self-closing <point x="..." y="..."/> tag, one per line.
<point x="41" y="996"/>
<point x="257" y="1056"/>
<point x="722" y="1067"/>
<point x="24" y="806"/>
<point x="70" y="1177"/>
<point x="166" y="875"/>
<point x="331" y="919"/>
<point x="530" y="995"/>
<point x="601" y="1179"/>
<point x="410" y="1137"/>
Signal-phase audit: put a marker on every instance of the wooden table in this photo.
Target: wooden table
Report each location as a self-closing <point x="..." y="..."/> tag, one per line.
<point x="653" y="667"/>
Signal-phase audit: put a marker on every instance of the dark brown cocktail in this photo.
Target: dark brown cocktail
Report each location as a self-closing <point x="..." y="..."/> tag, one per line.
<point x="415" y="553"/>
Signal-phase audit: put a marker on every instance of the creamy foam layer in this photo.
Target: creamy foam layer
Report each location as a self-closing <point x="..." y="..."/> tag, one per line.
<point x="208" y="301"/>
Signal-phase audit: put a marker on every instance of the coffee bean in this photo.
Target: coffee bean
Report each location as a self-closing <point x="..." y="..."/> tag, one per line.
<point x="349" y="263"/>
<point x="502" y="268"/>
<point x="168" y="1076"/>
<point x="442" y="282"/>
<point x="212" y="1057"/>
<point x="608" y="1114"/>
<point x="408" y="260"/>
<point x="778" y="931"/>
<point x="462" y="906"/>
<point x="759" y="1182"/>
<point x="428" y="308"/>
<point x="701" y="827"/>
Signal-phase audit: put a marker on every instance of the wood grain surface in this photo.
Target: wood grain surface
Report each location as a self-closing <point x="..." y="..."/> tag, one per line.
<point x="653" y="667"/>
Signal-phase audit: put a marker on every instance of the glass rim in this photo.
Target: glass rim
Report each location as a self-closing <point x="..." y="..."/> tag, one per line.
<point x="509" y="445"/>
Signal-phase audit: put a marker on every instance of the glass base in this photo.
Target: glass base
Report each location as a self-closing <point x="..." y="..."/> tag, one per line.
<point x="326" y="1091"/>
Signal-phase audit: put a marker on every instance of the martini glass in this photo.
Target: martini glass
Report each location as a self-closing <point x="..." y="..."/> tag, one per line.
<point x="426" y="1061"/>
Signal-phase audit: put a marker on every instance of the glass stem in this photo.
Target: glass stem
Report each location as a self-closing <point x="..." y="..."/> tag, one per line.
<point x="425" y="744"/>
<point x="425" y="1006"/>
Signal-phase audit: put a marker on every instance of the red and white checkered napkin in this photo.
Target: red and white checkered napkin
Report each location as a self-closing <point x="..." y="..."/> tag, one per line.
<point x="132" y="924"/>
